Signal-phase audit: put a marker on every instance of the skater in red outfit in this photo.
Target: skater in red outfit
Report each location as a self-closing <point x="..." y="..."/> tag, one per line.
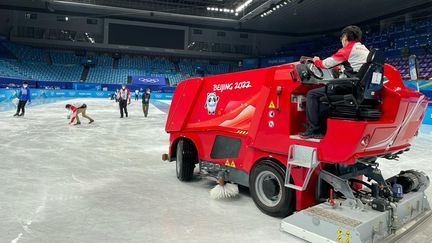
<point x="75" y="110"/>
<point x="124" y="98"/>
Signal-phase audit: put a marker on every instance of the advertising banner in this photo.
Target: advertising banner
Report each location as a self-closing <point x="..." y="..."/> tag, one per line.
<point x="156" y="84"/>
<point x="148" y="81"/>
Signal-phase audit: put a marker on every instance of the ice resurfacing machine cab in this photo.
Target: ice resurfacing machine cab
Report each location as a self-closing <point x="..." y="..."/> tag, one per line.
<point x="243" y="127"/>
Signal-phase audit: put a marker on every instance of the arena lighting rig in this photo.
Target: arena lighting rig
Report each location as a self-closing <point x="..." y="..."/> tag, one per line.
<point x="231" y="11"/>
<point x="274" y="8"/>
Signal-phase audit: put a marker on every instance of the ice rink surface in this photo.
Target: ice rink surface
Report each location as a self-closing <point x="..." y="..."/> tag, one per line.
<point x="105" y="182"/>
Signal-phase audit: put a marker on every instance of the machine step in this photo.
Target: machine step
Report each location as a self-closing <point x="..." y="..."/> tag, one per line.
<point x="304" y="157"/>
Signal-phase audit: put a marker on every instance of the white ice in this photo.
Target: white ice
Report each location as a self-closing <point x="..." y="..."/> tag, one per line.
<point x="105" y="182"/>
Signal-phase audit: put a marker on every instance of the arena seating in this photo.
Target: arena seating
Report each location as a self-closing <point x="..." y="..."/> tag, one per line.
<point x="39" y="71"/>
<point x="30" y="54"/>
<point x="103" y="60"/>
<point x="27" y="62"/>
<point x="142" y="62"/>
<point x="401" y="63"/>
<point x="64" y="57"/>
<point x="191" y="66"/>
<point x="105" y="74"/>
<point x="416" y="38"/>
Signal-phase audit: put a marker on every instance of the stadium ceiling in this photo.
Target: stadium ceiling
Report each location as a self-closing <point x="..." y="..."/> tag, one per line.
<point x="289" y="17"/>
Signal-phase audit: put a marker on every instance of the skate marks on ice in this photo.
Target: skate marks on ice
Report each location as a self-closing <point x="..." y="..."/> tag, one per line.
<point x="49" y="166"/>
<point x="105" y="182"/>
<point x="8" y="105"/>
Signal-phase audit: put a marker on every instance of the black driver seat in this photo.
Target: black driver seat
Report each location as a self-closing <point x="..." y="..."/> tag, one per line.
<point x="358" y="98"/>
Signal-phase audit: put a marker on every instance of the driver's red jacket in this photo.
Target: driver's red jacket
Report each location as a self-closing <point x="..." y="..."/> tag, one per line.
<point x="352" y="57"/>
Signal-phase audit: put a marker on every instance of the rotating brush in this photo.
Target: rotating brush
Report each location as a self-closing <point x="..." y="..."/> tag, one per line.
<point x="224" y="190"/>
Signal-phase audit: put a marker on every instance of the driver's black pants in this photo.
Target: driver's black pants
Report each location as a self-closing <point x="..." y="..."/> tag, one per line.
<point x="316" y="112"/>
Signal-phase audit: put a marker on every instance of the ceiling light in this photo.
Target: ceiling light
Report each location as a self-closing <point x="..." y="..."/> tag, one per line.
<point x="285" y="3"/>
<point x="277" y="6"/>
<point x="236" y="14"/>
<point x="66" y="18"/>
<point x="274" y="8"/>
<point x="208" y="8"/>
<point x="243" y="6"/>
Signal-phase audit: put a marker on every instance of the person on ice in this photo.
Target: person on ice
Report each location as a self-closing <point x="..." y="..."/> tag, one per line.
<point x="113" y="95"/>
<point x="136" y="94"/>
<point x="75" y="111"/>
<point x="146" y="101"/>
<point x="23" y="96"/>
<point x="351" y="56"/>
<point x="124" y="99"/>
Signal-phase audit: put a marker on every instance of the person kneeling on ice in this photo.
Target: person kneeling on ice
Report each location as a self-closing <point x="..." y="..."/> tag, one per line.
<point x="75" y="111"/>
<point x="23" y="96"/>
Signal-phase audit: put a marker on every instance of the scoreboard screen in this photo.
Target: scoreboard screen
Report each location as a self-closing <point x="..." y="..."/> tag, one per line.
<point x="145" y="36"/>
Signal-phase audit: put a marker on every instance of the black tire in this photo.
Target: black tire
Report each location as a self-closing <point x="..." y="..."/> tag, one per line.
<point x="267" y="187"/>
<point x="186" y="160"/>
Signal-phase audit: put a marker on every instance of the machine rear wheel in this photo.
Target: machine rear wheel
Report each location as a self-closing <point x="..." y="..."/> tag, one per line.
<point x="186" y="160"/>
<point x="267" y="186"/>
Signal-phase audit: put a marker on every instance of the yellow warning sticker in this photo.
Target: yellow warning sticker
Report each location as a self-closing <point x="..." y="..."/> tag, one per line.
<point x="347" y="240"/>
<point x="271" y="105"/>
<point x="227" y="163"/>
<point x="339" y="231"/>
<point x="230" y="164"/>
<point x="348" y="234"/>
<point x="339" y="239"/>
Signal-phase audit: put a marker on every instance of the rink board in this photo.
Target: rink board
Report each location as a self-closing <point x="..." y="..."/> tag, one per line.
<point x="9" y="94"/>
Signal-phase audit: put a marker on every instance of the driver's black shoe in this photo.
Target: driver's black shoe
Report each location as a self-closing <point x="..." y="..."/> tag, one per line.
<point x="311" y="134"/>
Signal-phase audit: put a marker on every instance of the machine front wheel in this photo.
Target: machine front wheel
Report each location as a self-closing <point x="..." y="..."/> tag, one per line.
<point x="186" y="159"/>
<point x="268" y="189"/>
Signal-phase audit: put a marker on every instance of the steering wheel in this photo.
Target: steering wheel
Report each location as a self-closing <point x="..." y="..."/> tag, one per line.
<point x="311" y="68"/>
<point x="314" y="70"/>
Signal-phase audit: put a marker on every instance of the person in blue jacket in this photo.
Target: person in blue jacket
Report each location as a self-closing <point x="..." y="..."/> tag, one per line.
<point x="23" y="96"/>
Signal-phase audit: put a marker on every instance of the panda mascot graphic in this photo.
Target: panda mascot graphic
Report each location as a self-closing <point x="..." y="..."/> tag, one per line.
<point x="211" y="103"/>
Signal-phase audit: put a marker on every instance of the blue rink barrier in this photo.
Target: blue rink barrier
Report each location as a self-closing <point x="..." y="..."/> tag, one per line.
<point x="40" y="84"/>
<point x="9" y="94"/>
<point x="428" y="116"/>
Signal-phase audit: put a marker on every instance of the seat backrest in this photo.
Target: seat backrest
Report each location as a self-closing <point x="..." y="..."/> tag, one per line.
<point x="371" y="77"/>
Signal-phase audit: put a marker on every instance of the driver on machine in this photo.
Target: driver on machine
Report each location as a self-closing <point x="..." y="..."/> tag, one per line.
<point x="351" y="56"/>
